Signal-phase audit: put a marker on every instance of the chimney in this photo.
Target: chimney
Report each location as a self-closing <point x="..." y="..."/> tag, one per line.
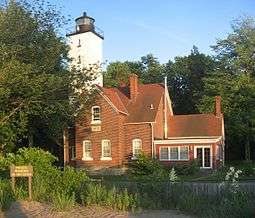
<point x="133" y="86"/>
<point x="218" y="106"/>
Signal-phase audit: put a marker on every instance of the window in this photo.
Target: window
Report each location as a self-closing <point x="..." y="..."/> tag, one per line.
<point x="87" y="150"/>
<point x="164" y="154"/>
<point x="174" y="153"/>
<point x="96" y="114"/>
<point x="106" y="150"/>
<point x="184" y="153"/>
<point x="137" y="147"/>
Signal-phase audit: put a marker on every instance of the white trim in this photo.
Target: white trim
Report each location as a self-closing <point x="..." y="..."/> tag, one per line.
<point x="102" y="150"/>
<point x="83" y="150"/>
<point x="133" y="149"/>
<point x="92" y="115"/>
<point x="211" y="155"/>
<point x="169" y="153"/>
<point x="111" y="104"/>
<point x="165" y="118"/>
<point x="187" y="141"/>
<point x="87" y="158"/>
<point x="105" y="158"/>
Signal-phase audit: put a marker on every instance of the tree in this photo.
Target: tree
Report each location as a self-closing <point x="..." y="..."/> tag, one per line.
<point x="234" y="80"/>
<point x="185" y="80"/>
<point x="37" y="90"/>
<point x="148" y="69"/>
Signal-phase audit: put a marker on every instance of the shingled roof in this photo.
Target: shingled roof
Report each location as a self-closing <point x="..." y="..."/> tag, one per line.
<point x="195" y="125"/>
<point x="139" y="110"/>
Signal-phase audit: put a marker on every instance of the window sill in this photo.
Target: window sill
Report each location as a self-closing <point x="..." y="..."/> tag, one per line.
<point x="87" y="158"/>
<point x="105" y="158"/>
<point x="96" y="122"/>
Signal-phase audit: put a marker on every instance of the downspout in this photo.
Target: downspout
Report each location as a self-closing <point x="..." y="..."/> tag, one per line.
<point x="153" y="150"/>
<point x="165" y="108"/>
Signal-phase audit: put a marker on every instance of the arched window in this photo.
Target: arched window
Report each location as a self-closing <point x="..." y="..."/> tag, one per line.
<point x="96" y="114"/>
<point x="137" y="147"/>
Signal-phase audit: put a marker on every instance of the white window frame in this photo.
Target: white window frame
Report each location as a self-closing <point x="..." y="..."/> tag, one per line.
<point x="83" y="151"/>
<point x="134" y="141"/>
<point x="211" y="155"/>
<point x="102" y="147"/>
<point x="160" y="153"/>
<point x="92" y="115"/>
<point x="169" y="153"/>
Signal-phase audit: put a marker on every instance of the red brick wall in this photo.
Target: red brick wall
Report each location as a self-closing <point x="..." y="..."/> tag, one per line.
<point x="137" y="131"/>
<point x="110" y="129"/>
<point x="158" y="127"/>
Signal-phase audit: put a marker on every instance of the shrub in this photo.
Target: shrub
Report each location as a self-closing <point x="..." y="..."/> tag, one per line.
<point x="187" y="169"/>
<point x="145" y="166"/>
<point x="6" y="194"/>
<point x="47" y="178"/>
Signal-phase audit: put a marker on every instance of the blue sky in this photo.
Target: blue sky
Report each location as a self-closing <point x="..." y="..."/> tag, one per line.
<point x="165" y="28"/>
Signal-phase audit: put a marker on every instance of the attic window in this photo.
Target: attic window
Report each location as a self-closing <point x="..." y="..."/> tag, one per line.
<point x="96" y="114"/>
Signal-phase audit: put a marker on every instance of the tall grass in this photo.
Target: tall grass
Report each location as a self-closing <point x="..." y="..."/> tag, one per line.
<point x="96" y="194"/>
<point x="6" y="194"/>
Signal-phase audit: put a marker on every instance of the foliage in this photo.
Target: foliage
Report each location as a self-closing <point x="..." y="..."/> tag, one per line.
<point x="147" y="167"/>
<point x="62" y="201"/>
<point x="172" y="175"/>
<point x="36" y="86"/>
<point x="6" y="194"/>
<point x="50" y="184"/>
<point x="231" y="179"/>
<point x="187" y="169"/>
<point x="234" y="80"/>
<point x="97" y="194"/>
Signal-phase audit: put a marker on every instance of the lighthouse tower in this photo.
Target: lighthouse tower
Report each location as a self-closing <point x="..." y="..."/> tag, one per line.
<point x="86" y="46"/>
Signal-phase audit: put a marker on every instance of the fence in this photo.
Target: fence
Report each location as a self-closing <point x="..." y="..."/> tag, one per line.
<point x="167" y="188"/>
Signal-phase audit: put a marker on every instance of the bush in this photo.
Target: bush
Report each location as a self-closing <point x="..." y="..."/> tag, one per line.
<point x="6" y="194"/>
<point x="47" y="179"/>
<point x="145" y="166"/>
<point x="187" y="169"/>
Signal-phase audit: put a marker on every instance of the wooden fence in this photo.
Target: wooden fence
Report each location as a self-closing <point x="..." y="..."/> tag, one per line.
<point x="197" y="188"/>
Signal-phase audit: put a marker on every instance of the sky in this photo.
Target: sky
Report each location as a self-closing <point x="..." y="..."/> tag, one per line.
<point x="164" y="28"/>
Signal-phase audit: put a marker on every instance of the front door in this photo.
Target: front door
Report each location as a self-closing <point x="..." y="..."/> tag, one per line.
<point x="203" y="155"/>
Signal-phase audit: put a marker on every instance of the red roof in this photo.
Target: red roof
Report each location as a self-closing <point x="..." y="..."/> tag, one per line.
<point x="194" y="125"/>
<point x="139" y="110"/>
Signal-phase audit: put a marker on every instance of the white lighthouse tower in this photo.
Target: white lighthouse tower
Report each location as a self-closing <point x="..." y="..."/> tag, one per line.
<point x="86" y="46"/>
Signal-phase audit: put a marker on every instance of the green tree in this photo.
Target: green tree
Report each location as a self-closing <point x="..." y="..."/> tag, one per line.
<point x="234" y="81"/>
<point x="185" y="80"/>
<point x="37" y="91"/>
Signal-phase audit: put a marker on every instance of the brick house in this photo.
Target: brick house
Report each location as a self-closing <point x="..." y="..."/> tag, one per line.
<point x="129" y="119"/>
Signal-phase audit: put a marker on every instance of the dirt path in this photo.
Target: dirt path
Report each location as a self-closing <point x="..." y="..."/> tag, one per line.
<point x="33" y="209"/>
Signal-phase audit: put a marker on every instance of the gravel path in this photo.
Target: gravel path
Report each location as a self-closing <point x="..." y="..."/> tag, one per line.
<point x="25" y="209"/>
